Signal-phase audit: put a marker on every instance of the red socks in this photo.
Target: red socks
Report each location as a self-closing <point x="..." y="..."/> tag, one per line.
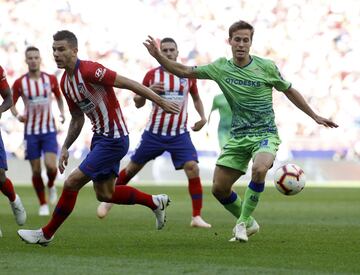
<point x="129" y="195"/>
<point x="39" y="188"/>
<point x="51" y="178"/>
<point x="122" y="178"/>
<point x="8" y="189"/>
<point x="195" y="190"/>
<point x="62" y="210"/>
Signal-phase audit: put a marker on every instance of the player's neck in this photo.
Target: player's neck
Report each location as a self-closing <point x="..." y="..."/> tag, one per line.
<point x="70" y="68"/>
<point x="34" y="74"/>
<point x="242" y="62"/>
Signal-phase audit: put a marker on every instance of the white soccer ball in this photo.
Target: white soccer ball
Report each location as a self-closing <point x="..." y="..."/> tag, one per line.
<point x="289" y="179"/>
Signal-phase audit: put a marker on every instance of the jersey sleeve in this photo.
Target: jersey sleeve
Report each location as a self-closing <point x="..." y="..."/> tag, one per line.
<point x="215" y="104"/>
<point x="276" y="79"/>
<point x="3" y="82"/>
<point x="148" y="78"/>
<point x="210" y="71"/>
<point x="96" y="73"/>
<point x="193" y="86"/>
<point x="55" y="86"/>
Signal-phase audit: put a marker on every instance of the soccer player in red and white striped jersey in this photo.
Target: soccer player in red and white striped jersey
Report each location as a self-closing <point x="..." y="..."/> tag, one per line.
<point x="37" y="90"/>
<point x="88" y="89"/>
<point x="6" y="186"/>
<point x="168" y="132"/>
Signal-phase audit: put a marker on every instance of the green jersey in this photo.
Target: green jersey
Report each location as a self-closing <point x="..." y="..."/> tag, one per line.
<point x="248" y="91"/>
<point x="220" y="103"/>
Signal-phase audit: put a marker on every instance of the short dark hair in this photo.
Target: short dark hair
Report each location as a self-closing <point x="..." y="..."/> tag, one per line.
<point x="168" y="40"/>
<point x="241" y="25"/>
<point x="66" y="35"/>
<point x="31" y="48"/>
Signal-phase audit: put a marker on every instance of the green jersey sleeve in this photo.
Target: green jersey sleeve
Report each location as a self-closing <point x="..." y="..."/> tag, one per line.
<point x="276" y="79"/>
<point x="210" y="71"/>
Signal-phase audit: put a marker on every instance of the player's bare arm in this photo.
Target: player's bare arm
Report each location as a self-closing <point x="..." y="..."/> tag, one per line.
<point x="60" y="104"/>
<point x="170" y="65"/>
<point x="199" y="107"/>
<point x="76" y="124"/>
<point x="7" y="97"/>
<point x="297" y="99"/>
<point x="156" y="87"/>
<point x="141" y="90"/>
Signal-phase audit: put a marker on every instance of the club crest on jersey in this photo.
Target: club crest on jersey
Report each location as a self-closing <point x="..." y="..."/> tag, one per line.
<point x="81" y="88"/>
<point x="99" y="73"/>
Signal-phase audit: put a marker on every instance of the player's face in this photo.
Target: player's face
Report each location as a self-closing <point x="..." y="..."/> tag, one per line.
<point x="240" y="44"/>
<point x="64" y="54"/>
<point x="169" y="49"/>
<point x="33" y="60"/>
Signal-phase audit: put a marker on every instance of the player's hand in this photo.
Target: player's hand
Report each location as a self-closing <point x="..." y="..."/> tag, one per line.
<point x="326" y="122"/>
<point x="152" y="47"/>
<point x="63" y="160"/>
<point x="169" y="106"/>
<point x="21" y="118"/>
<point x="157" y="87"/>
<point x="62" y="118"/>
<point x="198" y="125"/>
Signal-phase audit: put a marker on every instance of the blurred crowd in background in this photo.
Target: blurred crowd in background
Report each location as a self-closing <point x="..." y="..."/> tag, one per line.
<point x="315" y="43"/>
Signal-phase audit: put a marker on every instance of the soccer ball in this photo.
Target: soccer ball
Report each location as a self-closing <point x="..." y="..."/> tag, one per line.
<point x="289" y="179"/>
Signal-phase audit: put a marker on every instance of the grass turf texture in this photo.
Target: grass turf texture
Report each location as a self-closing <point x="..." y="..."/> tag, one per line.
<point x="315" y="232"/>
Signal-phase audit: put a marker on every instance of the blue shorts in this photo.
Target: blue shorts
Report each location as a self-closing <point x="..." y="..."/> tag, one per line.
<point x="36" y="144"/>
<point x="3" y="162"/>
<point x="104" y="157"/>
<point x="151" y="146"/>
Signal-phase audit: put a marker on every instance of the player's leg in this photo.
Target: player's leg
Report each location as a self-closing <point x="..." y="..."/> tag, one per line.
<point x="262" y="163"/>
<point x="191" y="169"/>
<point x="106" y="192"/>
<point x="51" y="171"/>
<point x="223" y="180"/>
<point x="49" y="146"/>
<point x="7" y="188"/>
<point x="39" y="186"/>
<point x="123" y="178"/>
<point x="43" y="236"/>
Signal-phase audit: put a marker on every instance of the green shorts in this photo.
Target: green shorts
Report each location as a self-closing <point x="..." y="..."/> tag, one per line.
<point x="223" y="136"/>
<point x="238" y="151"/>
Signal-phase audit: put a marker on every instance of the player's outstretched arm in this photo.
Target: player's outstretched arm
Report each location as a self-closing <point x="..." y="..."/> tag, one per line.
<point x="141" y="90"/>
<point x="297" y="99"/>
<point x="174" y="67"/>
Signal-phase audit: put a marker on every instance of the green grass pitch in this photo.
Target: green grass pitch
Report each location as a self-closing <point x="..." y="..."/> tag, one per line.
<point x="314" y="232"/>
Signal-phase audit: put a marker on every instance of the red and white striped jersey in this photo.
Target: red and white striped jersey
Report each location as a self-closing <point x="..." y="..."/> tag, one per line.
<point x="175" y="89"/>
<point x="90" y="89"/>
<point x="3" y="82"/>
<point x="37" y="97"/>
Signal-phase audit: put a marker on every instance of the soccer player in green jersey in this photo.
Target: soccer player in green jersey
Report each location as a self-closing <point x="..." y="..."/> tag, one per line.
<point x="247" y="81"/>
<point x="220" y="103"/>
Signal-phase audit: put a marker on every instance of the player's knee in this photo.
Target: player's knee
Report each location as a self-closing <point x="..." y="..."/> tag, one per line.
<point x="192" y="168"/>
<point x="217" y="191"/>
<point x="104" y="197"/>
<point x="259" y="171"/>
<point x="51" y="169"/>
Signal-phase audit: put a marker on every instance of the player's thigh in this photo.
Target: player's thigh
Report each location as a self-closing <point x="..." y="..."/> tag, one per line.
<point x="32" y="147"/>
<point x="182" y="151"/>
<point x="103" y="160"/>
<point x="76" y="180"/>
<point x="49" y="143"/>
<point x="264" y="150"/>
<point x="236" y="154"/>
<point x="149" y="147"/>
